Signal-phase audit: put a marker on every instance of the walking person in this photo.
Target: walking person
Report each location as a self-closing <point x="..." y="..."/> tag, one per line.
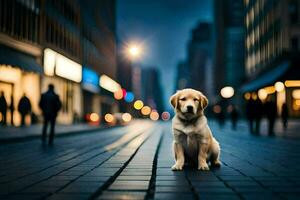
<point x="221" y="117"/>
<point x="50" y="104"/>
<point x="258" y="114"/>
<point x="12" y="109"/>
<point x="250" y="113"/>
<point x="271" y="112"/>
<point x="284" y="116"/>
<point x="3" y="108"/>
<point x="24" y="108"/>
<point x="234" y="115"/>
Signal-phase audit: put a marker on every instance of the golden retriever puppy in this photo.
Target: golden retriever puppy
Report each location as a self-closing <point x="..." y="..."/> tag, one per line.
<point x="192" y="136"/>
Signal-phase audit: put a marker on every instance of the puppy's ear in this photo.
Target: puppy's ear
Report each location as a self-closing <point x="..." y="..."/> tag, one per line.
<point x="174" y="100"/>
<point x="203" y="101"/>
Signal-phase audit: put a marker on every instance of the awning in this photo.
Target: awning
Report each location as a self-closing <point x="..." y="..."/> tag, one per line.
<point x="268" y="78"/>
<point x="15" y="58"/>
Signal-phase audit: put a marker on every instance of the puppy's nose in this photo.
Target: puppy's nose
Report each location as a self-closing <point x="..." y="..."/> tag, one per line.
<point x="190" y="109"/>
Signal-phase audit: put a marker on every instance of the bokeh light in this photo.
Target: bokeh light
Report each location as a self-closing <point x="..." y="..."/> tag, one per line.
<point x="138" y="104"/>
<point x="126" y="117"/>
<point x="279" y="86"/>
<point x="296" y="94"/>
<point x="154" y="115"/>
<point x="262" y="94"/>
<point x="118" y="94"/>
<point x="146" y="110"/>
<point x="227" y="92"/>
<point x="109" y="84"/>
<point x="109" y="118"/>
<point x="254" y="95"/>
<point x="165" y="116"/>
<point x="124" y="92"/>
<point x="129" y="97"/>
<point x="247" y="95"/>
<point x="94" y="117"/>
<point x="217" y="109"/>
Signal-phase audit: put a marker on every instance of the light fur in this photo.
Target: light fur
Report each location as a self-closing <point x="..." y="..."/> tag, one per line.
<point x="191" y="133"/>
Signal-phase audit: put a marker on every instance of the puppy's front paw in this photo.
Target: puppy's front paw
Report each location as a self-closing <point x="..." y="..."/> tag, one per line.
<point x="203" y="167"/>
<point x="216" y="163"/>
<point x="177" y="167"/>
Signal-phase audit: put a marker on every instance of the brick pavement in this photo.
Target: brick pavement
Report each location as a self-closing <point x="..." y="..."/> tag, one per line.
<point x="253" y="167"/>
<point x="14" y="134"/>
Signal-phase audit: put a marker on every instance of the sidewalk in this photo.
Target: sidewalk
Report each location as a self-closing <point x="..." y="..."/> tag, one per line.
<point x="242" y="127"/>
<point x="13" y="134"/>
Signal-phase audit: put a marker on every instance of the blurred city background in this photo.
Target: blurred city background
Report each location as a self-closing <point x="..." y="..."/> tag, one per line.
<point x="112" y="61"/>
<point x="104" y="71"/>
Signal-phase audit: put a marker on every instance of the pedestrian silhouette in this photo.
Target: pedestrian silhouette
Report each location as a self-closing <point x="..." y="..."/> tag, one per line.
<point x="50" y="105"/>
<point x="221" y="118"/>
<point x="24" y="107"/>
<point x="250" y="113"/>
<point x="284" y="116"/>
<point x="234" y="115"/>
<point x="12" y="109"/>
<point x="3" y="108"/>
<point x="258" y="114"/>
<point x="271" y="112"/>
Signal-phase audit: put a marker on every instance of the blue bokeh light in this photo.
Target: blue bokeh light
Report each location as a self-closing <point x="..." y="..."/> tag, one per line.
<point x="129" y="97"/>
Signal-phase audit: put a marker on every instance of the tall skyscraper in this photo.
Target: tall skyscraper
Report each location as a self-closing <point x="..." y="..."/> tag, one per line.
<point x="200" y="59"/>
<point x="152" y="93"/>
<point x="229" y="37"/>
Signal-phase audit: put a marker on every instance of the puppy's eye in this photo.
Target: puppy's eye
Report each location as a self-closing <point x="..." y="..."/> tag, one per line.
<point x="182" y="99"/>
<point x="196" y="99"/>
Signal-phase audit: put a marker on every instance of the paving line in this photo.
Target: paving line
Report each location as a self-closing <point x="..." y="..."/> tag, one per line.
<point x="151" y="189"/>
<point x="112" y="179"/>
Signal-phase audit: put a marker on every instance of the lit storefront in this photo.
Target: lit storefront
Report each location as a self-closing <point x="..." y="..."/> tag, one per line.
<point x="281" y="84"/>
<point x="91" y="92"/>
<point x="66" y="76"/>
<point x="19" y="75"/>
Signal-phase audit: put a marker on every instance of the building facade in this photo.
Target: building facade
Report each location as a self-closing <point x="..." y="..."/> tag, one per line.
<point x="200" y="59"/>
<point x="229" y="33"/>
<point x="54" y="41"/>
<point x="272" y="46"/>
<point x="182" y="76"/>
<point x="152" y="94"/>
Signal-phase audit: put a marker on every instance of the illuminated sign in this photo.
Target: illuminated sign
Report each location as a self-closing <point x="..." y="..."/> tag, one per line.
<point x="90" y="80"/>
<point x="109" y="84"/>
<point x="55" y="63"/>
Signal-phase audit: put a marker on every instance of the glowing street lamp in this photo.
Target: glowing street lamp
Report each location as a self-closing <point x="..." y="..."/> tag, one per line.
<point x="133" y="50"/>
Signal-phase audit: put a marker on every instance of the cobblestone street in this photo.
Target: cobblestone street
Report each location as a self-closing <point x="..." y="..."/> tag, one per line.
<point x="133" y="162"/>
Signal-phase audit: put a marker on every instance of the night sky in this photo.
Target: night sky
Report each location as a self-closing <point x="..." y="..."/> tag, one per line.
<point x="163" y="26"/>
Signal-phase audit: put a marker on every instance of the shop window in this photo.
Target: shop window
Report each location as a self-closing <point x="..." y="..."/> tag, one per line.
<point x="67" y="97"/>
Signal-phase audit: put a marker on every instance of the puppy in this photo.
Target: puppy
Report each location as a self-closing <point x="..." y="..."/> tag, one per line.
<point x="192" y="136"/>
